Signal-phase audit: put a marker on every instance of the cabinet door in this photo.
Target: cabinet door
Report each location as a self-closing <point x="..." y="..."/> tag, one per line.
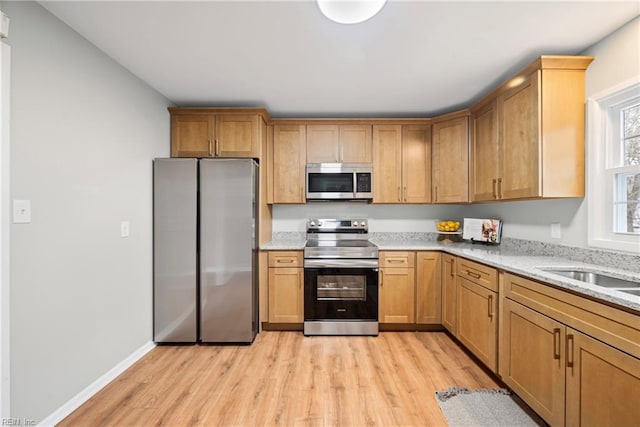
<point x="323" y="143"/>
<point x="387" y="163"/>
<point x="397" y="295"/>
<point x="532" y="360"/>
<point x="449" y="294"/>
<point x="237" y="135"/>
<point x="520" y="147"/>
<point x="355" y="144"/>
<point x="450" y="157"/>
<point x="416" y="164"/>
<point x="428" y="288"/>
<point x="192" y="135"/>
<point x="485" y="155"/>
<point x="603" y="384"/>
<point x="288" y="164"/>
<point x="285" y="295"/>
<point x="478" y="321"/>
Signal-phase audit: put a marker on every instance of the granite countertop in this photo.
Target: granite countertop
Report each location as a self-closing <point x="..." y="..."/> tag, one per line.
<point x="531" y="266"/>
<point x="508" y="259"/>
<point x="284" y="245"/>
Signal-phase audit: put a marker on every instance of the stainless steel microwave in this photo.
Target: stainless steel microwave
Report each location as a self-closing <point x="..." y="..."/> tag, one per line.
<point x="339" y="181"/>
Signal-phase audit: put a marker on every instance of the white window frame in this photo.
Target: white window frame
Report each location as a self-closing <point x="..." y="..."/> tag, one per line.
<point x="600" y="175"/>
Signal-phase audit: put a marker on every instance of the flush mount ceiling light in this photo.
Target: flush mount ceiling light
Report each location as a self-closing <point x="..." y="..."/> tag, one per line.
<point x="350" y="11"/>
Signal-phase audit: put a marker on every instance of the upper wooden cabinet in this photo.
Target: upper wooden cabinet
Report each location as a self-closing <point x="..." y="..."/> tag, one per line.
<point x="288" y="163"/>
<point x="528" y="135"/>
<point x="450" y="157"/>
<point x="485" y="153"/>
<point x="338" y="143"/>
<point x="401" y="164"/>
<point x="192" y="135"/>
<point x="213" y="132"/>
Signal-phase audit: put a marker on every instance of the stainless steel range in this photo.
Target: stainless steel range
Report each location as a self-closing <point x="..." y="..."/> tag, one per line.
<point x="340" y="278"/>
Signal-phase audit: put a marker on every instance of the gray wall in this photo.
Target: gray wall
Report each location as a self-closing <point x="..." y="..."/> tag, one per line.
<point x="617" y="60"/>
<point x="83" y="133"/>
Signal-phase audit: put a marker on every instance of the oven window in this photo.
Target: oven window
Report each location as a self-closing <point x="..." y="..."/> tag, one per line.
<point x="342" y="287"/>
<point x="330" y="183"/>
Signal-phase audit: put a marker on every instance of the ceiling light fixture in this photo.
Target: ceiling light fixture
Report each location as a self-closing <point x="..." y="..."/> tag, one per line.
<point x="350" y="11"/>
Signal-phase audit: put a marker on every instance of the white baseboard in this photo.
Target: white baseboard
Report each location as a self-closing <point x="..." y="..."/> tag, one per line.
<point x="75" y="402"/>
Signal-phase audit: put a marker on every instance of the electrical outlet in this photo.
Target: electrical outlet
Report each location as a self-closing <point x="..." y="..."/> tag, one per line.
<point x="124" y="229"/>
<point x="21" y="211"/>
<point x="556" y="230"/>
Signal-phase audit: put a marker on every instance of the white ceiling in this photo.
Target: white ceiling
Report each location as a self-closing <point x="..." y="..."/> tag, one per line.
<point x="415" y="58"/>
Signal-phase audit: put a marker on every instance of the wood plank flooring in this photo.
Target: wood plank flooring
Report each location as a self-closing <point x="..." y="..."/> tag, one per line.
<point x="287" y="379"/>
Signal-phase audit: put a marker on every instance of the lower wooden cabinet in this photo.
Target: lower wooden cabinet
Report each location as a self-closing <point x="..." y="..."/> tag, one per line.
<point x="397" y="287"/>
<point x="428" y="288"/>
<point x="286" y="292"/>
<point x="449" y="294"/>
<point x="565" y="375"/>
<point x="477" y="321"/>
<point x="602" y="384"/>
<point x="532" y="359"/>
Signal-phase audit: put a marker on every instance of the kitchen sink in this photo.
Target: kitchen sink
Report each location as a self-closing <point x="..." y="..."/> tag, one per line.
<point x="598" y="279"/>
<point x="632" y="291"/>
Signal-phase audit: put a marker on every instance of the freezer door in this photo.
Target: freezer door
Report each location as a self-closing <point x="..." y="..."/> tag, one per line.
<point x="228" y="250"/>
<point x="174" y="250"/>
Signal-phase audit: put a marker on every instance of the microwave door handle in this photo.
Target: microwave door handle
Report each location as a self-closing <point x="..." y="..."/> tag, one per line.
<point x="355" y="184"/>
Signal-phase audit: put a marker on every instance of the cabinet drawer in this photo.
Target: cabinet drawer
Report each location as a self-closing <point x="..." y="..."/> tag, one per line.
<point x="285" y="259"/>
<point x="397" y="259"/>
<point x="478" y="273"/>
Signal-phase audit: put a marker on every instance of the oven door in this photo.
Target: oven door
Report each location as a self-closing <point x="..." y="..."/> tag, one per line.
<point x="341" y="292"/>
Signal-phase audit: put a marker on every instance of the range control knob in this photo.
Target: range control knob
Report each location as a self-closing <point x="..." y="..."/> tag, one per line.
<point x="362" y="223"/>
<point x="312" y="223"/>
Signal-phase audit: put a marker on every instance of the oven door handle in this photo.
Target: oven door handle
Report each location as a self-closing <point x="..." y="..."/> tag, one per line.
<point x="341" y="263"/>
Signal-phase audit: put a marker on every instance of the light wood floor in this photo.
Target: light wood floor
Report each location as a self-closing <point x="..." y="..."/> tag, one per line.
<point x="286" y="379"/>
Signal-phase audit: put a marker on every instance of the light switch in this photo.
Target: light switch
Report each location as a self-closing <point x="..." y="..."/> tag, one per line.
<point x="21" y="211"/>
<point x="124" y="229"/>
<point x="556" y="230"/>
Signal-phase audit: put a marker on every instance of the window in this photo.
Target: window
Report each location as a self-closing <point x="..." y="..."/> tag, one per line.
<point x="625" y="167"/>
<point x="614" y="168"/>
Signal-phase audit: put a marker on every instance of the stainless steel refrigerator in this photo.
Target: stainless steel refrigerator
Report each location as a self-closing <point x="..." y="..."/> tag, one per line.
<point x="205" y="275"/>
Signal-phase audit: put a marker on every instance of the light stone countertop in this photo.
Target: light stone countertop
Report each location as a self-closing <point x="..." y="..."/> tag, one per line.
<point x="509" y="260"/>
<point x="283" y="245"/>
